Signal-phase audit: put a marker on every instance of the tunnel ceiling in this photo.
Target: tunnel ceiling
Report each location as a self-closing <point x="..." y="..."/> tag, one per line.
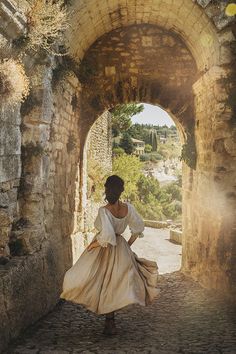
<point x="93" y="18"/>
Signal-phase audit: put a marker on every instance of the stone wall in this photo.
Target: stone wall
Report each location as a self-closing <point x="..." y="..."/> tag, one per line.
<point x="10" y="167"/>
<point x="99" y="144"/>
<point x="40" y="236"/>
<point x="97" y="164"/>
<point x="209" y="192"/>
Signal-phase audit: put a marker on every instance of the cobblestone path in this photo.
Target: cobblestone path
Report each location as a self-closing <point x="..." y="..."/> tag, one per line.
<point x="184" y="319"/>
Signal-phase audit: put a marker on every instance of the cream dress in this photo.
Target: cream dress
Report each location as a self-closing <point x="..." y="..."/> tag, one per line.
<point x="110" y="277"/>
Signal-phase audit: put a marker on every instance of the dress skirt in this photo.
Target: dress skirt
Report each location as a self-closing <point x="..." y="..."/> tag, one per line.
<point x="107" y="279"/>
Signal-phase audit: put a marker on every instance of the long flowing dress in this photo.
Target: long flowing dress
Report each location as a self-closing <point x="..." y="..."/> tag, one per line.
<point x="110" y="277"/>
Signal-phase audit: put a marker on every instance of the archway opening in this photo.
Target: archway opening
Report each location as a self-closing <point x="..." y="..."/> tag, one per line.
<point x="152" y="172"/>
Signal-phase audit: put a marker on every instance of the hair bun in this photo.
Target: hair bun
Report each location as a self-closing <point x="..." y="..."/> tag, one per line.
<point x="114" y="187"/>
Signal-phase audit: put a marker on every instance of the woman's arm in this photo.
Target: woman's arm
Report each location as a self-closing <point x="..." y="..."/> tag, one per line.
<point x="92" y="245"/>
<point x="132" y="239"/>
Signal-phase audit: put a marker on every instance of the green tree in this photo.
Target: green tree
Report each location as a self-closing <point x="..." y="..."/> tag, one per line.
<point x="148" y="148"/>
<point x="174" y="190"/>
<point x="127" y="144"/>
<point x="147" y="186"/>
<point x="117" y="151"/>
<point x="129" y="168"/>
<point x="139" y="131"/>
<point x="153" y="139"/>
<point x="121" y="116"/>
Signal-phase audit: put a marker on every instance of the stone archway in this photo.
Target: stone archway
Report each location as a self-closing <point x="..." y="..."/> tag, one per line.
<point x="199" y="94"/>
<point x="129" y="66"/>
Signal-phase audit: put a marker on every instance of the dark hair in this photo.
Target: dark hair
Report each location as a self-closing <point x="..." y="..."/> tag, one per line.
<point x="114" y="186"/>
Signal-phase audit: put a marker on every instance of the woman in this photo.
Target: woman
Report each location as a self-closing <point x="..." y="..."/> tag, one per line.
<point x="108" y="275"/>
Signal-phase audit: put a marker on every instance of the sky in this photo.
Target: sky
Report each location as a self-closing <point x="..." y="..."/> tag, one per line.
<point x="153" y="115"/>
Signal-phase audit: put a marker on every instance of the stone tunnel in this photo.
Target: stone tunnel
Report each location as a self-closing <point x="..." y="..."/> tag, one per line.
<point x="179" y="55"/>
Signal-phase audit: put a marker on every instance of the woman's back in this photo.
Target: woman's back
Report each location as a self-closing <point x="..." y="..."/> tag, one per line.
<point x="106" y="219"/>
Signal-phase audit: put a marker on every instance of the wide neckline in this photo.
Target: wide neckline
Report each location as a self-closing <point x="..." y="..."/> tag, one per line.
<point x="116" y="216"/>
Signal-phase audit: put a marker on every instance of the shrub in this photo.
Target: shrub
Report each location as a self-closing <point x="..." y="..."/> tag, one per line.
<point x="189" y="153"/>
<point x="144" y="157"/>
<point x="129" y="168"/>
<point x="14" y="84"/>
<point x="118" y="151"/>
<point x="47" y="21"/>
<point x="148" y="148"/>
<point x="96" y="180"/>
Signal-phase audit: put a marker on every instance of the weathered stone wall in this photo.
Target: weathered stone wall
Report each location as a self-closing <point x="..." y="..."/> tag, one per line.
<point x="40" y="237"/>
<point x="99" y="143"/>
<point x="209" y="241"/>
<point x="99" y="158"/>
<point x="10" y="167"/>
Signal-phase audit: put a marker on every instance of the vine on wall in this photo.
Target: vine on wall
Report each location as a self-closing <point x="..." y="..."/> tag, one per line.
<point x="189" y="152"/>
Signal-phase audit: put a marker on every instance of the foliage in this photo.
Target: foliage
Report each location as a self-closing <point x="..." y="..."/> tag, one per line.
<point x="118" y="151"/>
<point x="150" y="135"/>
<point x="66" y="66"/>
<point x="96" y="179"/>
<point x="151" y="200"/>
<point x="47" y="21"/>
<point x="153" y="157"/>
<point x="86" y="71"/>
<point x="144" y="157"/>
<point x="152" y="211"/>
<point x="129" y="168"/>
<point x="147" y="187"/>
<point x="127" y="144"/>
<point x="153" y="139"/>
<point x="189" y="154"/>
<point x="121" y="116"/>
<point x="139" y="131"/>
<point x="157" y="202"/>
<point x="29" y="104"/>
<point x="148" y="148"/>
<point x="173" y="190"/>
<point x="14" y="84"/>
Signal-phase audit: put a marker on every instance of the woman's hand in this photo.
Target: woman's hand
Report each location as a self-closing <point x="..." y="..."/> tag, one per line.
<point x="132" y="239"/>
<point x="92" y="245"/>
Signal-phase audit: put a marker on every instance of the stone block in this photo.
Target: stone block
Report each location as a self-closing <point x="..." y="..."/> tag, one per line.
<point x="176" y="236"/>
<point x="203" y="3"/>
<point x="10" y="139"/>
<point x="11" y="115"/>
<point x="110" y="70"/>
<point x="10" y="167"/>
<point x="156" y="224"/>
<point x="37" y="277"/>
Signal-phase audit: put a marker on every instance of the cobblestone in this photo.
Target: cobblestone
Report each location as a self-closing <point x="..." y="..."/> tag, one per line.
<point x="186" y="318"/>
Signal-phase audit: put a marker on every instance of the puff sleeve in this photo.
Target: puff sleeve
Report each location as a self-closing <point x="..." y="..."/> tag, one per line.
<point x="135" y="222"/>
<point x="106" y="230"/>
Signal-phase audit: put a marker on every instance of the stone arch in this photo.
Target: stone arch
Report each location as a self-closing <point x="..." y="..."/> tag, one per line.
<point x="185" y="17"/>
<point x="194" y="103"/>
<point x="138" y="63"/>
<point x="208" y="40"/>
